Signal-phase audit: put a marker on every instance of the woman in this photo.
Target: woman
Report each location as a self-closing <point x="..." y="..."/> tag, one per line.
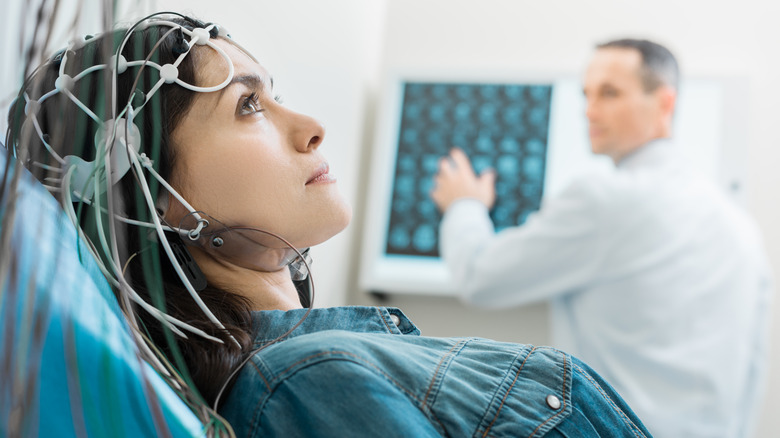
<point x="195" y="187"/>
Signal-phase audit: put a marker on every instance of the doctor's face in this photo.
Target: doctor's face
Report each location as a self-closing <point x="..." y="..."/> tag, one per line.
<point x="246" y="160"/>
<point x="622" y="115"/>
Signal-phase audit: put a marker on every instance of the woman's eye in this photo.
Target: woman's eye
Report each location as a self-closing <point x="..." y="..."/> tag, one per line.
<point x="250" y="105"/>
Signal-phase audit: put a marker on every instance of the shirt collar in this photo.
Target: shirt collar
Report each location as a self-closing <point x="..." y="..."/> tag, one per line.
<point x="269" y="325"/>
<point x="653" y="153"/>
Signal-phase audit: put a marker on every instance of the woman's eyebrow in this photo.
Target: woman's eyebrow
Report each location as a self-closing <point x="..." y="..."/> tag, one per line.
<point x="251" y="81"/>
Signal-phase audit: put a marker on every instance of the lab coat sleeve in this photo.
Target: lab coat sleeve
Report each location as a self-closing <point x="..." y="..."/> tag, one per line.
<point x="558" y="250"/>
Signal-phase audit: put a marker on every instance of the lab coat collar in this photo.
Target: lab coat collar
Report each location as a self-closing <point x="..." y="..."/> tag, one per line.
<point x="654" y="153"/>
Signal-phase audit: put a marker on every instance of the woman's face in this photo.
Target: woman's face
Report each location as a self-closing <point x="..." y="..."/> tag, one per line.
<point x="246" y="160"/>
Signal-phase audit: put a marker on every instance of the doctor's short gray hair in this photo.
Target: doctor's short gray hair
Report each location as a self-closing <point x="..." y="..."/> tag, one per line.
<point x="659" y="66"/>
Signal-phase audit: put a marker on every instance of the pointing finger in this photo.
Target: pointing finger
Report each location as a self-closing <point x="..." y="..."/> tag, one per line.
<point x="461" y="160"/>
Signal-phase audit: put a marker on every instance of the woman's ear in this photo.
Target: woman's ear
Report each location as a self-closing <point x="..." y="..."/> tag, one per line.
<point x="170" y="209"/>
<point x="163" y="203"/>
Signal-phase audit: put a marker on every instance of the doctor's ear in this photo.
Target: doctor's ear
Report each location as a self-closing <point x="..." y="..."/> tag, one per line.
<point x="667" y="98"/>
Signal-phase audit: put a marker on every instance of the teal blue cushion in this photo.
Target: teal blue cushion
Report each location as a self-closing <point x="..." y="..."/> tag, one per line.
<point x="69" y="366"/>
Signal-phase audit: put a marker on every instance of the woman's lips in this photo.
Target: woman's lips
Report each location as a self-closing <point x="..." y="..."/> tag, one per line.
<point x="321" y="175"/>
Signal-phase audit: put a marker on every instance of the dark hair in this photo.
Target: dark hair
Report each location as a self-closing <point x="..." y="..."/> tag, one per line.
<point x="659" y="66"/>
<point x="149" y="272"/>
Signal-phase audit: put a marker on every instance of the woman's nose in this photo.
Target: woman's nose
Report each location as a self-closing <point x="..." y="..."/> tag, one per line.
<point x="307" y="132"/>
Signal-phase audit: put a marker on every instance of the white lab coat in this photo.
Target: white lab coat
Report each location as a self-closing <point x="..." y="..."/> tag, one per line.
<point x="655" y="279"/>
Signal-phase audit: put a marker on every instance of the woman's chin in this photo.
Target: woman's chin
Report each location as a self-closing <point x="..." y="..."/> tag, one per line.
<point x="327" y="226"/>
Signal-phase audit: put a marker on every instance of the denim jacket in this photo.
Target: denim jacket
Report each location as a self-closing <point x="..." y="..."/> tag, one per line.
<point x="365" y="371"/>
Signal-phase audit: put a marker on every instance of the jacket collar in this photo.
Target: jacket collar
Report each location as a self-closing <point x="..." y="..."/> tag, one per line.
<point x="270" y="325"/>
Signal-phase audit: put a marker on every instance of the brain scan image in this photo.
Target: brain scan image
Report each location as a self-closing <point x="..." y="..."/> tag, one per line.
<point x="499" y="126"/>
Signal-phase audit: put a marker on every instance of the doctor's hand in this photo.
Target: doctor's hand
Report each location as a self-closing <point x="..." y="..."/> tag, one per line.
<point x="456" y="179"/>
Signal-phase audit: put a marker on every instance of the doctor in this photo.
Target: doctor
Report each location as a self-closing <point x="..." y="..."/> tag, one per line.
<point x="653" y="276"/>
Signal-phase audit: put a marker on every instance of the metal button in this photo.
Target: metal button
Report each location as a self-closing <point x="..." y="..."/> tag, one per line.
<point x="396" y="320"/>
<point x="553" y="402"/>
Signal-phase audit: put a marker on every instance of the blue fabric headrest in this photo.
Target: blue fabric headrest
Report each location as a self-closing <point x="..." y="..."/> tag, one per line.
<point x="69" y="365"/>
